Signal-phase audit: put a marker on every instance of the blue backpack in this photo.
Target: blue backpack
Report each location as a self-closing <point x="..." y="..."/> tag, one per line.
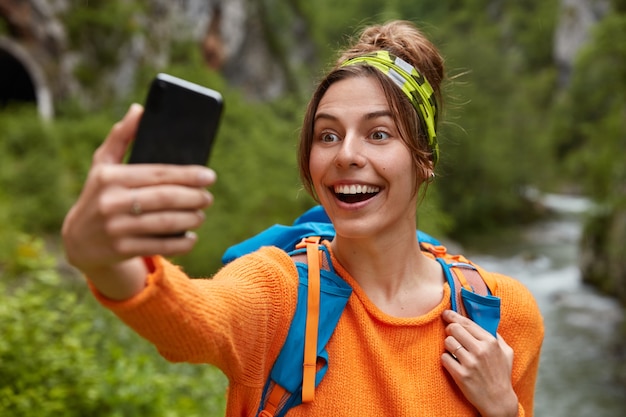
<point x="323" y="295"/>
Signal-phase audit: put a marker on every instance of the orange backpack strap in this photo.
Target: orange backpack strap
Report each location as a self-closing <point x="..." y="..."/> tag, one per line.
<point x="274" y="400"/>
<point x="303" y="360"/>
<point x="312" y="319"/>
<point x="469" y="275"/>
<point x="278" y="394"/>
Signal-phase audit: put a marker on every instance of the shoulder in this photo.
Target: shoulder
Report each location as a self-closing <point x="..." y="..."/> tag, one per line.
<point x="262" y="263"/>
<point x="514" y="294"/>
<point x="520" y="314"/>
<point x="269" y="270"/>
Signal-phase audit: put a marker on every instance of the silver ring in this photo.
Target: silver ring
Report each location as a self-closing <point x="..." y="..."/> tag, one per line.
<point x="453" y="353"/>
<point x="135" y="207"/>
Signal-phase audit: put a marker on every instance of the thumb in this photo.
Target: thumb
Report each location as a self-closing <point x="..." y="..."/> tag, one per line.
<point x="122" y="133"/>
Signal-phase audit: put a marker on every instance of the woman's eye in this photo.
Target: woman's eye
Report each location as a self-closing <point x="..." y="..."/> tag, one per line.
<point x="329" y="137"/>
<point x="379" y="135"/>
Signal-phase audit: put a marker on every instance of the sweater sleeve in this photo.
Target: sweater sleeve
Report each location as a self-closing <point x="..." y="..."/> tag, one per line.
<point x="522" y="328"/>
<point x="236" y="320"/>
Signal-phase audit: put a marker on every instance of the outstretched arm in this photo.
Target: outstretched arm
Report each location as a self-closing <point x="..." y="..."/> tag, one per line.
<point x="124" y="211"/>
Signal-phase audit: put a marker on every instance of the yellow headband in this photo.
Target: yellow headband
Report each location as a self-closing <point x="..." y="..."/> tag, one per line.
<point x="413" y="84"/>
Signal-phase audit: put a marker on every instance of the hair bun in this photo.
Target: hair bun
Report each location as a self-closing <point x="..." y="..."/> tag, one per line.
<point x="404" y="40"/>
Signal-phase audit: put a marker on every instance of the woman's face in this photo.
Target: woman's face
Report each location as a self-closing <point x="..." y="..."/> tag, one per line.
<point x="362" y="171"/>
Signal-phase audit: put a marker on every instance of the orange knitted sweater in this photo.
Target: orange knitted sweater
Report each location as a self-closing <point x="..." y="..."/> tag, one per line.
<point x="379" y="364"/>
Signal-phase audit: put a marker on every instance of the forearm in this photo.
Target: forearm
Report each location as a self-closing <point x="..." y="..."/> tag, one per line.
<point x="201" y="320"/>
<point x="170" y="310"/>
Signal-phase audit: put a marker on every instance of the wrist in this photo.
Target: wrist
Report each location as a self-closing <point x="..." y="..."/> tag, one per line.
<point x="508" y="407"/>
<point x="120" y="281"/>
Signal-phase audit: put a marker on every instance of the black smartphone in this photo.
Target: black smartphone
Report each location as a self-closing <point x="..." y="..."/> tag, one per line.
<point x="179" y="123"/>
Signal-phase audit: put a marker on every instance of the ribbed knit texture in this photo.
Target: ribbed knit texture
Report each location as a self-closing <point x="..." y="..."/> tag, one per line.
<point x="379" y="365"/>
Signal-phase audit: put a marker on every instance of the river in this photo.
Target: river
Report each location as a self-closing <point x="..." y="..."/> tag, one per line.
<point x="577" y="376"/>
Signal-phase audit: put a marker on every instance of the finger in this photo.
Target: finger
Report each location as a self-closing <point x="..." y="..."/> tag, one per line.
<point x="138" y="201"/>
<point x="454" y="347"/>
<point x="452" y="365"/>
<point x="120" y="136"/>
<point x="455" y="319"/>
<point x="143" y="175"/>
<point x="154" y="245"/>
<point x="155" y="224"/>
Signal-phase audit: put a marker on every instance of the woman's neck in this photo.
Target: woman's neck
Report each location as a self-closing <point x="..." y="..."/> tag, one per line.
<point x="394" y="273"/>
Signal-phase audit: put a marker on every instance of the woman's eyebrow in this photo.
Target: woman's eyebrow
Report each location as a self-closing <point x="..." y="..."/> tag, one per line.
<point x="367" y="116"/>
<point x="377" y="114"/>
<point x="327" y="116"/>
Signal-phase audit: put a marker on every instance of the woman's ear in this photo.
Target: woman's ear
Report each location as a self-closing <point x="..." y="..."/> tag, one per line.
<point x="426" y="172"/>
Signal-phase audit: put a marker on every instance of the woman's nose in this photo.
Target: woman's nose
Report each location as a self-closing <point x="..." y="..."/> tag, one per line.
<point x="350" y="152"/>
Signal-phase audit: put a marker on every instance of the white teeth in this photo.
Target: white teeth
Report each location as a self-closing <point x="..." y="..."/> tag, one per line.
<point x="356" y="189"/>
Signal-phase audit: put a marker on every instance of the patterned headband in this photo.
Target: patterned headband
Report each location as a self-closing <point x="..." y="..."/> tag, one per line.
<point x="413" y="84"/>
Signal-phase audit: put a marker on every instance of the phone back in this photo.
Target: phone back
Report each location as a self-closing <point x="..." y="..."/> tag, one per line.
<point x="179" y="123"/>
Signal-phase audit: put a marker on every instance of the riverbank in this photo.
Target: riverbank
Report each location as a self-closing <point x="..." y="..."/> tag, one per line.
<point x="582" y="364"/>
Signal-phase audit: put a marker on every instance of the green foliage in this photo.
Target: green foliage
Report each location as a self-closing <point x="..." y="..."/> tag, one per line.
<point x="30" y="164"/>
<point x="100" y="30"/>
<point x="62" y="354"/>
<point x="591" y="127"/>
<point x="493" y="135"/>
<point x="42" y="166"/>
<point x="332" y="22"/>
<point x="590" y="124"/>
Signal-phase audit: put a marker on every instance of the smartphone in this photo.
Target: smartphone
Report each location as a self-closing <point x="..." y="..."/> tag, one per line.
<point x="179" y="123"/>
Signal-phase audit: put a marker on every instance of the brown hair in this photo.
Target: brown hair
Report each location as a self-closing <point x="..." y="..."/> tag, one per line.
<point x="404" y="40"/>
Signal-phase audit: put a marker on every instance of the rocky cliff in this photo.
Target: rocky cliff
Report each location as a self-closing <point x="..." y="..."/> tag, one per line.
<point x="56" y="50"/>
<point x="576" y="19"/>
<point x="61" y="49"/>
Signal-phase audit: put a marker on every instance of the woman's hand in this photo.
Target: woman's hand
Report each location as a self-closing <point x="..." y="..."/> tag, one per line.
<point x="481" y="366"/>
<point x="124" y="212"/>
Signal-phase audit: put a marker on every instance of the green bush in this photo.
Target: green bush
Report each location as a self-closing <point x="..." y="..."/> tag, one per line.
<point x="590" y="121"/>
<point x="63" y="355"/>
<point x="30" y="168"/>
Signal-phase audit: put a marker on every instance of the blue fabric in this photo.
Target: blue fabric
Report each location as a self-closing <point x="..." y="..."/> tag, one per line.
<point x="315" y="214"/>
<point x="482" y="309"/>
<point x="450" y="279"/>
<point x="287" y="370"/>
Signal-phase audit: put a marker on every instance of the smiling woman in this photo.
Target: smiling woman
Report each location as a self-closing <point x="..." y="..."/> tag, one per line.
<point x="367" y="147"/>
<point x="356" y="147"/>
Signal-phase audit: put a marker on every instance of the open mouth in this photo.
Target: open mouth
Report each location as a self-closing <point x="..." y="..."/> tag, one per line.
<point x="355" y="193"/>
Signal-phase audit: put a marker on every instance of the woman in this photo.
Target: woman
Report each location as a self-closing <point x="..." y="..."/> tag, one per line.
<point x="368" y="145"/>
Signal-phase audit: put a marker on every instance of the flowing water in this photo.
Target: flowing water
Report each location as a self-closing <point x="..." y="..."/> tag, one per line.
<point x="577" y="373"/>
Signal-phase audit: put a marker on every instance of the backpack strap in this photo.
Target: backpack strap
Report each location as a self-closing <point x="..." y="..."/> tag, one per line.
<point x="469" y="279"/>
<point x="322" y="296"/>
<point x="312" y="317"/>
<point x="471" y="288"/>
<point x="274" y="402"/>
